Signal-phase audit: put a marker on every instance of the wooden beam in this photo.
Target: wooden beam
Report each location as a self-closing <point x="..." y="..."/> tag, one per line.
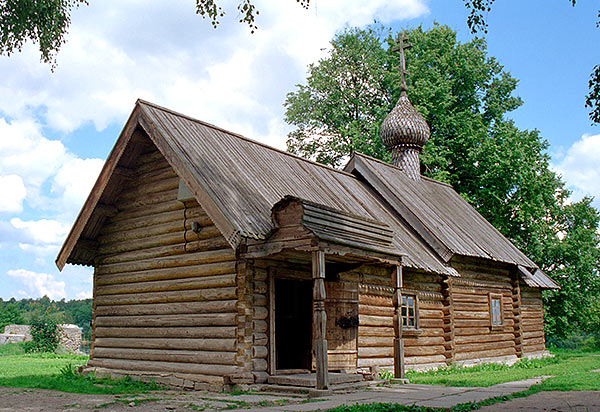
<point x="398" y="342"/>
<point x="106" y="210"/>
<point x="320" y="318"/>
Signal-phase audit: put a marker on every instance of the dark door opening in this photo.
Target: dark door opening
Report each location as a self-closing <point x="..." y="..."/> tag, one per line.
<point x="293" y="324"/>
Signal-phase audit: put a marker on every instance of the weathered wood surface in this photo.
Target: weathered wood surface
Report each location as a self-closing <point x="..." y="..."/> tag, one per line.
<point x="473" y="336"/>
<point x="165" y="296"/>
<point x="532" y="325"/>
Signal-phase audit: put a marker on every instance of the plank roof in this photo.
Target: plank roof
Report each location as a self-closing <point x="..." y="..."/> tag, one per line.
<point x="445" y="220"/>
<point x="238" y="180"/>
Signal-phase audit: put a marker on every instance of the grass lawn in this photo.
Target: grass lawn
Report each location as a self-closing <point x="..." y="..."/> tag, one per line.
<point x="57" y="371"/>
<point x="569" y="371"/>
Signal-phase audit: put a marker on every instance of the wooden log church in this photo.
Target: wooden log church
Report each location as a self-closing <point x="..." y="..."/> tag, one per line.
<point x="219" y="260"/>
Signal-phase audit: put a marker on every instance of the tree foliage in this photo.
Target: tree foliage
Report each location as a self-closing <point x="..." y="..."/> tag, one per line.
<point x="44" y="22"/>
<point x="465" y="96"/>
<point x="477" y="22"/>
<point x="45" y="334"/>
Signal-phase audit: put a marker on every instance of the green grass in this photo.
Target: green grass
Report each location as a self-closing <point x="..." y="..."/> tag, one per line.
<point x="57" y="371"/>
<point x="568" y="370"/>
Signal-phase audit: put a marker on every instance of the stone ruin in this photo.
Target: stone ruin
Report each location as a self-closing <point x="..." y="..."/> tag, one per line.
<point x="70" y="336"/>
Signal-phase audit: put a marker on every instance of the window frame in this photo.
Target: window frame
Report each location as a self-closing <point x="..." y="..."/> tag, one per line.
<point x="491" y="298"/>
<point x="406" y="328"/>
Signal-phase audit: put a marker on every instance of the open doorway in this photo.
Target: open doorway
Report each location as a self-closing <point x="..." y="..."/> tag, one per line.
<point x="293" y="324"/>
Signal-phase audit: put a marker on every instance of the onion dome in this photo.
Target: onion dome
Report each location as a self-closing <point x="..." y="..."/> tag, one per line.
<point x="404" y="127"/>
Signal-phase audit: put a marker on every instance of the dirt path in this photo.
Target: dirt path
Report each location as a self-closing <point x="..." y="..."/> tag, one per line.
<point x="34" y="400"/>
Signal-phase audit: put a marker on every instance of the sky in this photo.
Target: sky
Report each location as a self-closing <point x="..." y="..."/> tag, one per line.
<point x="56" y="129"/>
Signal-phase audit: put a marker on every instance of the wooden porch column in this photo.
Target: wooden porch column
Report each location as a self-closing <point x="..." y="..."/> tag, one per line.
<point x="398" y="342"/>
<point x="319" y="317"/>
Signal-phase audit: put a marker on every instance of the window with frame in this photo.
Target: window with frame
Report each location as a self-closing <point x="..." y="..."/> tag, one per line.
<point x="409" y="312"/>
<point x="496" y="317"/>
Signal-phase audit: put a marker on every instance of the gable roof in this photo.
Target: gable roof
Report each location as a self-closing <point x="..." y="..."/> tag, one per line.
<point x="237" y="181"/>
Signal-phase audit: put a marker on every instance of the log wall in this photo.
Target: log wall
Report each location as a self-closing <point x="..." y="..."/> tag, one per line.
<point x="165" y="296"/>
<point x="532" y="324"/>
<point x="260" y="332"/>
<point x="474" y="338"/>
<point x="424" y="347"/>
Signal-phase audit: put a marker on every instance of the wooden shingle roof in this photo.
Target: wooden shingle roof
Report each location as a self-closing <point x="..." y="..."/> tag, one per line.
<point x="237" y="181"/>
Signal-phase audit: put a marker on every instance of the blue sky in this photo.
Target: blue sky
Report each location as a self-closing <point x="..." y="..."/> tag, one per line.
<point x="57" y="128"/>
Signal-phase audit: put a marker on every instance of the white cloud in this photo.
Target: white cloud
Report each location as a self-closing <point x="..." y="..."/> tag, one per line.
<point x="13" y="193"/>
<point x="43" y="231"/>
<point x="39" y="284"/>
<point x="86" y="294"/>
<point x="163" y="52"/>
<point x="580" y="167"/>
<point x="29" y="161"/>
<point x="75" y="178"/>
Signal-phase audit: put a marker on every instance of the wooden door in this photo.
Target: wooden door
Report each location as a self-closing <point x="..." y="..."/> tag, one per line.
<point x="341" y="306"/>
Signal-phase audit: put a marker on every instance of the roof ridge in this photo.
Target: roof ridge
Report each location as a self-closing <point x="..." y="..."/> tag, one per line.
<point x="396" y="167"/>
<point x="247" y="139"/>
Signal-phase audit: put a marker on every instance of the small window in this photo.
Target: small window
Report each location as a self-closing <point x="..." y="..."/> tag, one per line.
<point x="496" y="318"/>
<point x="409" y="311"/>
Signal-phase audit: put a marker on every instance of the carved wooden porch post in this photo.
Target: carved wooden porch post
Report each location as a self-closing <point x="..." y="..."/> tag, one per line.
<point x="398" y="342"/>
<point x="319" y="317"/>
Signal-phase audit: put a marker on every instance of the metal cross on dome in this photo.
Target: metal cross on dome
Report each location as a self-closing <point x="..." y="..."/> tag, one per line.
<point x="401" y="44"/>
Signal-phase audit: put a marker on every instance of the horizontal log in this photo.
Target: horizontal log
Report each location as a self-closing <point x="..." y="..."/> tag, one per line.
<point x="534" y="334"/>
<point x="375" y="341"/>
<point x="368" y="362"/>
<point x="209" y="344"/>
<point x="183" y="356"/>
<point x="368" y="320"/>
<point x="430" y="314"/>
<point x="169" y="195"/>
<point x="474" y="323"/>
<point x="208" y="269"/>
<point x="484" y="354"/>
<point x="375" y="352"/>
<point x="469" y="306"/>
<point x="143" y="221"/>
<point x="168" y="250"/>
<point x="374" y="300"/>
<point x="534" y="348"/>
<point x="375" y="310"/>
<point x="494" y="337"/>
<point x="534" y="341"/>
<point x="162" y="321"/>
<point x="203" y="282"/>
<point x="151" y="160"/>
<point x="420" y="360"/>
<point x="154" y="241"/>
<point x="431" y="323"/>
<point x="375" y="331"/>
<point x="145" y="188"/>
<point x="163" y="367"/>
<point x="146" y="211"/>
<point x="260" y="274"/>
<point x="218" y="306"/>
<point x="158" y="172"/>
<point x="460" y="298"/>
<point x="165" y="297"/>
<point x="430" y="304"/>
<point x="424" y="350"/>
<point x="424" y="341"/>
<point x="175" y="332"/>
<point x="162" y="262"/>
<point x="459" y="314"/>
<point x="483" y="346"/>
